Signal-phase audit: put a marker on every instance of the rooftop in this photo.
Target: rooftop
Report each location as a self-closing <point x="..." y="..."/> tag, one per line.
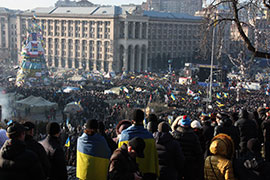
<point x="111" y="11"/>
<point x="170" y="15"/>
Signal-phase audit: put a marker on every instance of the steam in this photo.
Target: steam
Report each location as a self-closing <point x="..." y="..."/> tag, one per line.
<point x="6" y="103"/>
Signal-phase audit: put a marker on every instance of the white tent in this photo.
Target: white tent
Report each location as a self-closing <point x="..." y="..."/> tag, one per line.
<point x="36" y="104"/>
<point x="115" y="90"/>
<point x="77" y="78"/>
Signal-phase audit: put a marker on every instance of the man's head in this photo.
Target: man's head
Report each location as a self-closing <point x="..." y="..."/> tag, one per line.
<point x="91" y="127"/>
<point x="136" y="147"/>
<point x="16" y="131"/>
<point x="164" y="127"/>
<point x="30" y="128"/>
<point x="53" y="129"/>
<point x="137" y="117"/>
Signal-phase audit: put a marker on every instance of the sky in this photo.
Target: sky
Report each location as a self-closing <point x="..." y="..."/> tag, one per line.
<point x="31" y="4"/>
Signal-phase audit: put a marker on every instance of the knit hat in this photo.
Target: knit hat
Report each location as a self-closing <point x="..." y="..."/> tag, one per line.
<point x="163" y="127"/>
<point x="92" y="124"/>
<point x="16" y="129"/>
<point x="138" y="145"/>
<point x="185" y="121"/>
<point x="196" y="125"/>
<point x="53" y="128"/>
<point x="29" y="125"/>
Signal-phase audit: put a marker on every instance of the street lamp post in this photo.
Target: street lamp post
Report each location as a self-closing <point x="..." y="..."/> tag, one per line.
<point x="170" y="65"/>
<point x="212" y="62"/>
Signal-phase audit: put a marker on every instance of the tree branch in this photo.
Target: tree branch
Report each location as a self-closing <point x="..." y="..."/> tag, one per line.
<point x="266" y="4"/>
<point x="243" y="35"/>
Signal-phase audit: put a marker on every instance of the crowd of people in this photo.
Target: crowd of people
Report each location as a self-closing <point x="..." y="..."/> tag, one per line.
<point x="154" y="128"/>
<point x="223" y="146"/>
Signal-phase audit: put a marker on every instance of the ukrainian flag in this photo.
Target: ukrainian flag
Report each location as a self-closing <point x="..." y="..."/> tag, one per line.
<point x="93" y="155"/>
<point x="226" y="95"/>
<point x="148" y="164"/>
<point x="173" y="97"/>
<point x="218" y="96"/>
<point x="67" y="142"/>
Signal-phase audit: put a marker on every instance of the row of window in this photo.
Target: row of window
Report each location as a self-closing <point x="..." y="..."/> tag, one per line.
<point x="78" y="54"/>
<point x="174" y="26"/>
<point x="100" y="65"/>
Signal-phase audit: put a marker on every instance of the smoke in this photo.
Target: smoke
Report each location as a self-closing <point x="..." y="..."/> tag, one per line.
<point x="6" y="103"/>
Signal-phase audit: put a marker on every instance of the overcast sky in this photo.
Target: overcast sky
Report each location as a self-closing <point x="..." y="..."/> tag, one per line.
<point x="30" y="4"/>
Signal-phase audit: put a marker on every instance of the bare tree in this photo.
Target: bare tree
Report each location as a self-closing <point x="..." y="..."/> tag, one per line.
<point x="233" y="14"/>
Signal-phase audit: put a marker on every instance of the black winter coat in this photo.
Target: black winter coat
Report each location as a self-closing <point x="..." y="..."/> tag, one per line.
<point x="40" y="151"/>
<point x="191" y="148"/>
<point x="19" y="163"/>
<point x="227" y="128"/>
<point x="56" y="157"/>
<point x="170" y="156"/>
<point x="208" y="133"/>
<point x="247" y="130"/>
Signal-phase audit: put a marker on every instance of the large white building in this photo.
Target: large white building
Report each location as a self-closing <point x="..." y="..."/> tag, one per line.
<point x="112" y="38"/>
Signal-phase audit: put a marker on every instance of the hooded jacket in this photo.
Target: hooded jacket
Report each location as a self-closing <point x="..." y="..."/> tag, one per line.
<point x="247" y="130"/>
<point x="17" y="162"/>
<point x="218" y="166"/>
<point x="122" y="166"/>
<point x="170" y="156"/>
<point x="192" y="150"/>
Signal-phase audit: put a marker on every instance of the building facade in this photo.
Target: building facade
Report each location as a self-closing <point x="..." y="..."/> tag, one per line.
<point x="112" y="38"/>
<point x="8" y="35"/>
<point x="174" y="6"/>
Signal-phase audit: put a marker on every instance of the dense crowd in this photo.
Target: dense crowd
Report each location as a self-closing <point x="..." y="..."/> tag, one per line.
<point x="155" y="128"/>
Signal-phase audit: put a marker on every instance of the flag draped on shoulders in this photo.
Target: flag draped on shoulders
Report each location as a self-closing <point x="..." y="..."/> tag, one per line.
<point x="93" y="155"/>
<point x="148" y="164"/>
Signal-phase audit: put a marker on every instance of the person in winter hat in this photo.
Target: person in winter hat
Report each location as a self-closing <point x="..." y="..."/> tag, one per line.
<point x="197" y="128"/>
<point x="170" y="155"/>
<point x="219" y="164"/>
<point x="191" y="147"/>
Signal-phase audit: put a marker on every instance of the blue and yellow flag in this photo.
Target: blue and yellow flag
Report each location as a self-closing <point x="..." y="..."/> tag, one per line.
<point x="219" y="104"/>
<point x="148" y="164"/>
<point x="218" y="96"/>
<point x="226" y="95"/>
<point x="67" y="142"/>
<point x="173" y="97"/>
<point x="93" y="155"/>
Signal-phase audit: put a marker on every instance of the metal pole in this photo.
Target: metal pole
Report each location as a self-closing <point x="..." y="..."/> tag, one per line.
<point x="212" y="62"/>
